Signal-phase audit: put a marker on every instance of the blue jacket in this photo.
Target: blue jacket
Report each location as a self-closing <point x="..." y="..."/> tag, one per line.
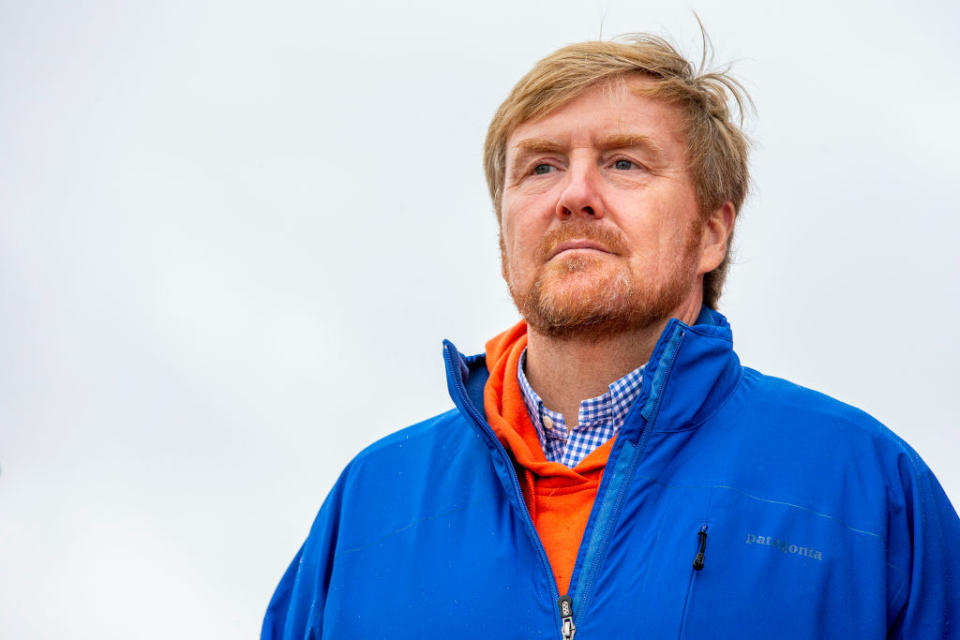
<point x="733" y="505"/>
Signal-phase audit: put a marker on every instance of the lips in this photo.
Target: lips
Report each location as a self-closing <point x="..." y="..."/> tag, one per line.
<point x="578" y="244"/>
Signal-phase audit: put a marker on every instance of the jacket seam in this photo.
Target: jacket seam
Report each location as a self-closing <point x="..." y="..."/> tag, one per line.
<point x="766" y="500"/>
<point x="409" y="526"/>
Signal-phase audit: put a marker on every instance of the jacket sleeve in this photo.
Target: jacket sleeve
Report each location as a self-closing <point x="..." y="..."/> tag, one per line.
<point x="296" y="610"/>
<point x="925" y="547"/>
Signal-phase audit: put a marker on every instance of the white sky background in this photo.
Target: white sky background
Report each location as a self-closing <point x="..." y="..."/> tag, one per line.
<point x="232" y="236"/>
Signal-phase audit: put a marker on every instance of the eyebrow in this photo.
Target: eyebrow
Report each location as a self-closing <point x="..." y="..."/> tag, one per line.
<point x="630" y="140"/>
<point x="531" y="146"/>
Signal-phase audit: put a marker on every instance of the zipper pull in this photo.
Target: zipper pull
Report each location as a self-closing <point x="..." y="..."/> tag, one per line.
<point x="566" y="617"/>
<point x="698" y="561"/>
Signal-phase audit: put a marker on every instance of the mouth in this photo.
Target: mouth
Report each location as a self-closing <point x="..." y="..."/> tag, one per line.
<point x="578" y="245"/>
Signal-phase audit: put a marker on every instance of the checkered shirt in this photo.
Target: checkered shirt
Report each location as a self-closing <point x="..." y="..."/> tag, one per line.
<point x="598" y="420"/>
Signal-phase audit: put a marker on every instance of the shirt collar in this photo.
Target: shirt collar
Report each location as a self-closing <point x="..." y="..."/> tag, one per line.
<point x="603" y="410"/>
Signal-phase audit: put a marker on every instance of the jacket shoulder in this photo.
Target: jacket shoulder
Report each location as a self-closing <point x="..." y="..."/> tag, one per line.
<point x="796" y="408"/>
<point x="816" y="449"/>
<point x="430" y="458"/>
<point x="417" y="439"/>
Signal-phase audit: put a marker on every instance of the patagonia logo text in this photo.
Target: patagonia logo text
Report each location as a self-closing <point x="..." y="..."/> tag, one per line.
<point x="784" y="546"/>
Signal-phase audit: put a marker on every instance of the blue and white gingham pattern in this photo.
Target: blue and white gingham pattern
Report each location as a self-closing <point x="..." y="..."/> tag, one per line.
<point x="599" y="418"/>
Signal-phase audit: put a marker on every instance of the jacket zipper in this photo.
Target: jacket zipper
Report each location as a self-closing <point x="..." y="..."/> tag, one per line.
<point x="627" y="459"/>
<point x="566" y="622"/>
<point x="567" y="628"/>
<point x="606" y="513"/>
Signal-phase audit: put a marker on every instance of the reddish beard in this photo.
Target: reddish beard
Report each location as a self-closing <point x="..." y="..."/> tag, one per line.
<point x="611" y="301"/>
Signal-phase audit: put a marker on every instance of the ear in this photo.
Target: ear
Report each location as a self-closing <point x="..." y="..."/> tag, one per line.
<point x="717" y="230"/>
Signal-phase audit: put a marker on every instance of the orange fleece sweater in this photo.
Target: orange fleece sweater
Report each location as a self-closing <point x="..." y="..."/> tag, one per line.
<point x="559" y="498"/>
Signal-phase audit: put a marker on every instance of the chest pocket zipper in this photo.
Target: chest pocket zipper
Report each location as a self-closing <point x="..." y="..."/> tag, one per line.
<point x="698" y="564"/>
<point x="701" y="549"/>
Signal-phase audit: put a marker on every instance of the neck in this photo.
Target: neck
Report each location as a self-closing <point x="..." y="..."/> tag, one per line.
<point x="566" y="371"/>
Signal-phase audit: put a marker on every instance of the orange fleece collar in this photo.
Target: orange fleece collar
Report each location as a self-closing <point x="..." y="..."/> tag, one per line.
<point x="507" y="412"/>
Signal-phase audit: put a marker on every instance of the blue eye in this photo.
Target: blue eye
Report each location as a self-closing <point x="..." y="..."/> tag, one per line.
<point x="623" y="165"/>
<point x="541" y="169"/>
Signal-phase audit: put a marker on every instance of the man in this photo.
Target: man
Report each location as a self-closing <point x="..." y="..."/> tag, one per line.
<point x="610" y="469"/>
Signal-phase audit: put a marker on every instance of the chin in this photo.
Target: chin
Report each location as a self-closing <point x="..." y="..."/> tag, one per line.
<point x="588" y="304"/>
<point x="586" y="310"/>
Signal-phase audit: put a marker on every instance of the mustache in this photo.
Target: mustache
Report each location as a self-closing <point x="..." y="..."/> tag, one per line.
<point x="610" y="239"/>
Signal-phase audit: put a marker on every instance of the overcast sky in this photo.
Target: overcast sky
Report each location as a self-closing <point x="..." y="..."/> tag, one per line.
<point x="233" y="235"/>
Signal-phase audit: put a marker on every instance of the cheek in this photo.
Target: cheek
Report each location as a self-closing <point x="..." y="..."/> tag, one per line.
<point x="509" y="248"/>
<point x="519" y="266"/>
<point x="655" y="248"/>
<point x="519" y="232"/>
<point x="662" y="231"/>
<point x="531" y="204"/>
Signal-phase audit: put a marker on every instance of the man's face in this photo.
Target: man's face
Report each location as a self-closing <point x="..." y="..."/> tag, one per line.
<point x="600" y="230"/>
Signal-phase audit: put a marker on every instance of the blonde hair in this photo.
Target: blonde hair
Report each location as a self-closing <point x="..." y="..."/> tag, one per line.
<point x="716" y="145"/>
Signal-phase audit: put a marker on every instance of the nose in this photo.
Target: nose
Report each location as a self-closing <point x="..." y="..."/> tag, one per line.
<point x="581" y="195"/>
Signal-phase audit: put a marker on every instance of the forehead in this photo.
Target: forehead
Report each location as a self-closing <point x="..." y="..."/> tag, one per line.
<point x="610" y="109"/>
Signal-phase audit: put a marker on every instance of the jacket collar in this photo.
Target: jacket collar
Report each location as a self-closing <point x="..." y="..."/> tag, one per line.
<point x="691" y="372"/>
